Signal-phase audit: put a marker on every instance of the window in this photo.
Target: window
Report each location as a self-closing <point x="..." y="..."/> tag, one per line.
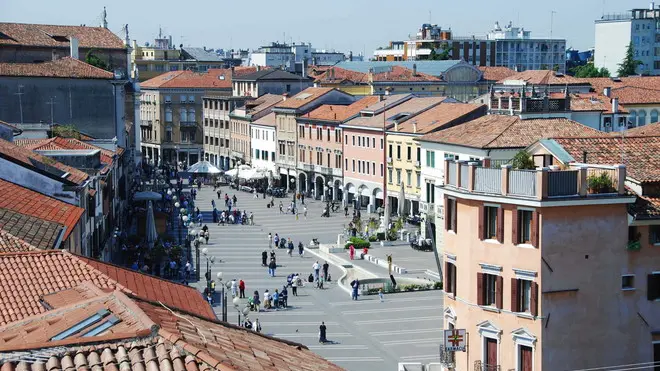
<point x="451" y="219"/>
<point x="354" y="140"/>
<point x="216" y="141"/>
<point x="389" y="175"/>
<point x="381" y="143"/>
<point x="373" y="142"/>
<point x="272" y="156"/>
<point x="346" y="164"/>
<point x="359" y="141"/>
<point x="524" y="296"/>
<point x="430" y="159"/>
<point x="301" y="131"/>
<point x="182" y="98"/>
<point x="398" y="176"/>
<point x="654" y="234"/>
<point x="319" y="133"/>
<point x="398" y="152"/>
<point x="327" y="134"/>
<point x="654" y="116"/>
<point x="337" y="161"/>
<point x="206" y="139"/>
<point x="353" y="166"/>
<point x="191" y="115"/>
<point x="168" y="114"/>
<point x="491" y="223"/>
<point x="373" y="168"/>
<point x="641" y="119"/>
<point x="409" y="153"/>
<point x="359" y="166"/>
<point x="183" y="115"/>
<point x="328" y="158"/>
<point x="489" y="289"/>
<point x="450" y="278"/>
<point x="524" y="232"/>
<point x="168" y="134"/>
<point x="419" y="155"/>
<point x="256" y="153"/>
<point x="418" y="175"/>
<point x="227" y="143"/>
<point x="389" y="150"/>
<point x="346" y="138"/>
<point x="408" y="178"/>
<point x="628" y="282"/>
<point x="430" y="193"/>
<point x="381" y="169"/>
<point x="653" y="286"/>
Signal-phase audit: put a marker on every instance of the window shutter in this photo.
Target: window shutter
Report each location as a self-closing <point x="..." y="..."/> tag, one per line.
<point x="500" y="224"/>
<point x="480" y="289"/>
<point x="447" y="214"/>
<point x="499" y="287"/>
<point x="514" y="226"/>
<point x="535" y="229"/>
<point x="534" y="299"/>
<point x="514" y="295"/>
<point x="651" y="288"/>
<point x="447" y="283"/>
<point x="454" y="216"/>
<point x="481" y="222"/>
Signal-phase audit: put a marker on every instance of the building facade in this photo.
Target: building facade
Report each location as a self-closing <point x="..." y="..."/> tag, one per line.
<point x="218" y="129"/>
<point x="269" y="81"/>
<point x="263" y="142"/>
<point x="615" y="32"/>
<point x="286" y="114"/>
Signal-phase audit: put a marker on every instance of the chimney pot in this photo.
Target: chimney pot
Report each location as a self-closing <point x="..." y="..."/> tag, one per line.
<point x="607" y="91"/>
<point x="73" y="44"/>
<point x="615" y="105"/>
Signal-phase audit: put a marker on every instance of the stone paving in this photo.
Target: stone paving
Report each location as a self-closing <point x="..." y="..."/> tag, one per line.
<point x="364" y="335"/>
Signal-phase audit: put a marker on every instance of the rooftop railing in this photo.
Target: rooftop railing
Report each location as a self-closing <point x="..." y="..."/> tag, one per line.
<point x="576" y="180"/>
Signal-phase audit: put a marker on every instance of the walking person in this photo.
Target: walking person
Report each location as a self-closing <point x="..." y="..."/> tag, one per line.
<point x="295" y="282"/>
<point x="271" y="267"/>
<point x="270" y="240"/>
<point x="302" y="198"/>
<point x="289" y="247"/>
<point x="355" y="284"/>
<point x="305" y="211"/>
<point x="241" y="289"/>
<point x="301" y="249"/>
<point x="322" y="333"/>
<point x="346" y="210"/>
<point x="234" y="288"/>
<point x="316" y="267"/>
<point x="326" y="266"/>
<point x="351" y="253"/>
<point x="380" y="295"/>
<point x="285" y="296"/>
<point x="264" y="258"/>
<point x="281" y="208"/>
<point x="256" y="325"/>
<point x="234" y="199"/>
<point x="276" y="239"/>
<point x="219" y="194"/>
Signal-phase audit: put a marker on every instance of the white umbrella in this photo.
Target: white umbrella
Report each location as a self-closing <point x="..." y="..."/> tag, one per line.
<point x="151" y="232"/>
<point x="402" y="200"/>
<point x="204" y="167"/>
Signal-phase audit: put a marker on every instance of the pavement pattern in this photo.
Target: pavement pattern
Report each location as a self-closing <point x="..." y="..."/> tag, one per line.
<point x="363" y="335"/>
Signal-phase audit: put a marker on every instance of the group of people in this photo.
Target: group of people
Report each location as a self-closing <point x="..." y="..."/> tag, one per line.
<point x="317" y="277"/>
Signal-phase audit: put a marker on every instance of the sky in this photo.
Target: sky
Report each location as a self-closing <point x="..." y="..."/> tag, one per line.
<point x="344" y="25"/>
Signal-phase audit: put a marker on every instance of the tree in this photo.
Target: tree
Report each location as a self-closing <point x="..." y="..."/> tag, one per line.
<point x="443" y="55"/>
<point x="95" y="61"/>
<point x="523" y="161"/>
<point x="65" y="131"/>
<point x="629" y="65"/>
<point x="589" y="70"/>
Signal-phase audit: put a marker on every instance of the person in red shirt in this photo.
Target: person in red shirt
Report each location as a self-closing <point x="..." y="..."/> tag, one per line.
<point x="241" y="289"/>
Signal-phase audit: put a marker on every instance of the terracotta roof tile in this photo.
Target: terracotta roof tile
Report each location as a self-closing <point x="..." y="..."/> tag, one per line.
<point x="503" y="131"/>
<point x="629" y="90"/>
<point x="58" y="143"/>
<point x="28" y="276"/>
<point x="651" y="130"/>
<point x="641" y="155"/>
<point x="593" y="102"/>
<point x="340" y="113"/>
<point x="496" y="73"/>
<point x="41" y="35"/>
<point x="268" y="120"/>
<point x="28" y="202"/>
<point x="395" y="108"/>
<point x="67" y="67"/>
<point x="304" y="97"/>
<point x="212" y="79"/>
<point x="29" y="159"/>
<point x="441" y="116"/>
<point x="11" y="243"/>
<point x="338" y="75"/>
<point x="544" y="77"/>
<point x="645" y="208"/>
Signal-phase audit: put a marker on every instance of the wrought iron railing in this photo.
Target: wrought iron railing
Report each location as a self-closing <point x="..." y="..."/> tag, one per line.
<point x="480" y="366"/>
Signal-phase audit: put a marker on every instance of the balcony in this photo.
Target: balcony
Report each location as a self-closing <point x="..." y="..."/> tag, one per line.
<point x="634" y="246"/>
<point x="146" y="123"/>
<point x="319" y="169"/>
<point x="427" y="208"/>
<point x="337" y="172"/>
<point x="305" y="167"/>
<point x="188" y="124"/>
<point x="578" y="180"/>
<point x="480" y="366"/>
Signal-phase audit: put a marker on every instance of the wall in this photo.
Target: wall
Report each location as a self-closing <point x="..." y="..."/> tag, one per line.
<point x="280" y="87"/>
<point x="88" y="104"/>
<point x="414" y="165"/>
<point x="612" y="39"/>
<point x="262" y="144"/>
<point x="372" y="184"/>
<point x="115" y="58"/>
<point x="590" y="119"/>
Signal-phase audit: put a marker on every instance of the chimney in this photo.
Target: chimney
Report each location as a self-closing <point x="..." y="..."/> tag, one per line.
<point x="258" y="68"/>
<point x="414" y="127"/>
<point x="615" y="105"/>
<point x="285" y="96"/>
<point x="652" y="6"/>
<point x="607" y="91"/>
<point x="414" y="69"/>
<point x="350" y="56"/>
<point x="73" y="43"/>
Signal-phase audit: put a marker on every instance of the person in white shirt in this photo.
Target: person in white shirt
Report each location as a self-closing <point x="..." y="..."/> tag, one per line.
<point x="316" y="268"/>
<point x="234" y="288"/>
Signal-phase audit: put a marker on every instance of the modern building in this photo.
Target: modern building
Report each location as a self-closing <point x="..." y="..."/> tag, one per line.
<point x="241" y="132"/>
<point x="171" y="113"/>
<point x="269" y="81"/>
<point x="511" y="47"/>
<point x="615" y="32"/>
<point x="264" y="144"/>
<point x="320" y="148"/>
<point x="515" y="277"/>
<point x="286" y="114"/>
<point x="495" y="137"/>
<point x="404" y="153"/>
<point x="293" y="57"/>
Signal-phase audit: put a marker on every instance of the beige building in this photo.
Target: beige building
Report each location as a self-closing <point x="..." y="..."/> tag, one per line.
<point x="286" y="114"/>
<point x="218" y="128"/>
<point x="171" y="114"/>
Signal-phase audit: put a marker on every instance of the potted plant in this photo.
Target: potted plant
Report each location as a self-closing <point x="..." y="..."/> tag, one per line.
<point x="600" y="183"/>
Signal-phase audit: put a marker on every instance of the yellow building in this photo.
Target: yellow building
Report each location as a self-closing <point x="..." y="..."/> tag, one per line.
<point x="404" y="160"/>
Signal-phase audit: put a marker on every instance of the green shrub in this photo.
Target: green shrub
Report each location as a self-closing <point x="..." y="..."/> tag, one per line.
<point x="437" y="286"/>
<point x="373" y="238"/>
<point x="380" y="236"/>
<point x="601" y="183"/>
<point x="358" y="243"/>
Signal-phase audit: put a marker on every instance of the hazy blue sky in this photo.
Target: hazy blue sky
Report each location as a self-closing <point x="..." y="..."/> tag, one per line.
<point x="357" y="25"/>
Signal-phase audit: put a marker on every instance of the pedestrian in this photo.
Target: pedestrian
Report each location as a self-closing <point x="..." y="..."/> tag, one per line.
<point x="289" y="247"/>
<point x="281" y="208"/>
<point x="270" y="240"/>
<point x="322" y="333"/>
<point x="213" y="203"/>
<point x="209" y="298"/>
<point x="351" y="253"/>
<point x="234" y="199"/>
<point x="326" y="266"/>
<point x="215" y="215"/>
<point x="346" y="210"/>
<point x="285" y="296"/>
<point x="271" y="267"/>
<point x="254" y="191"/>
<point x="355" y="285"/>
<point x="316" y="267"/>
<point x="319" y="283"/>
<point x="264" y="258"/>
<point x="276" y="299"/>
<point x="234" y="288"/>
<point x="219" y="194"/>
<point x="380" y="295"/>
<point x="206" y="237"/>
<point x="266" y="299"/>
<point x="241" y="289"/>
<point x="251" y="218"/>
<point x="276" y="239"/>
<point x="302" y="198"/>
<point x="256" y="326"/>
<point x="226" y="199"/>
<point x="305" y="211"/>
<point x="301" y="249"/>
<point x="294" y="284"/>
<point x="256" y="300"/>
<point x="187" y="268"/>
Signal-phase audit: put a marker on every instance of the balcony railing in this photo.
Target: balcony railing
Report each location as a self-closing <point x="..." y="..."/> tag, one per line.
<point x="634" y="246"/>
<point x="480" y="366"/>
<point x="337" y="172"/>
<point x="305" y="167"/>
<point x="579" y="180"/>
<point x="188" y="123"/>
<point x="146" y="123"/>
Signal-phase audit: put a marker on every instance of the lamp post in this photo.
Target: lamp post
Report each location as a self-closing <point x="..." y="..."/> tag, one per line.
<point x="223" y="296"/>
<point x="209" y="261"/>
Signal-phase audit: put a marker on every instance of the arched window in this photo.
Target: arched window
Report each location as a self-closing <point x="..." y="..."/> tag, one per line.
<point x="641" y="118"/>
<point x="654" y="116"/>
<point x="183" y="116"/>
<point x="632" y="119"/>
<point x="168" y="114"/>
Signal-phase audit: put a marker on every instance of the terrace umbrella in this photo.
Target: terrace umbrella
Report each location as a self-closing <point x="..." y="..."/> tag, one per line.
<point x="150" y="229"/>
<point x="402" y="200"/>
<point x="204" y="167"/>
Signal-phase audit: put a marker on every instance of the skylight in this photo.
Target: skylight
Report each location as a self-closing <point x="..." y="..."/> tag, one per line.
<point x="81" y="325"/>
<point x="303" y="96"/>
<point x="103" y="327"/>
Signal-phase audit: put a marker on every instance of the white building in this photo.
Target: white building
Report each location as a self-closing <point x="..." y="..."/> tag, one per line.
<point x="294" y="57"/>
<point x="614" y="32"/>
<point x="264" y="143"/>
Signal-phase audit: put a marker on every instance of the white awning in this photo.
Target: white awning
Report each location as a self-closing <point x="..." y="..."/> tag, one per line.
<point x="379" y="194"/>
<point x="351" y="189"/>
<point x="366" y="192"/>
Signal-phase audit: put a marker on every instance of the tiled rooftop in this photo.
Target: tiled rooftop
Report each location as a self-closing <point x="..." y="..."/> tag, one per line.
<point x="58" y="143"/>
<point x="504" y="131"/>
<point x="42" y="35"/>
<point x="268" y="120"/>
<point x="212" y="79"/>
<point x="544" y="77"/>
<point x="641" y="155"/>
<point x="66" y="67"/>
<point x="28" y="276"/>
<point x="28" y="202"/>
<point x="496" y="73"/>
<point x="335" y="112"/>
<point x="593" y="102"/>
<point x="37" y="232"/>
<point x="411" y="106"/>
<point x="645" y="208"/>
<point x="337" y="75"/>
<point x="34" y="161"/>
<point x="260" y="106"/>
<point x="402" y="74"/>
<point x="11" y="243"/>
<point x="445" y="114"/>
<point x="641" y="131"/>
<point x="304" y="97"/>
